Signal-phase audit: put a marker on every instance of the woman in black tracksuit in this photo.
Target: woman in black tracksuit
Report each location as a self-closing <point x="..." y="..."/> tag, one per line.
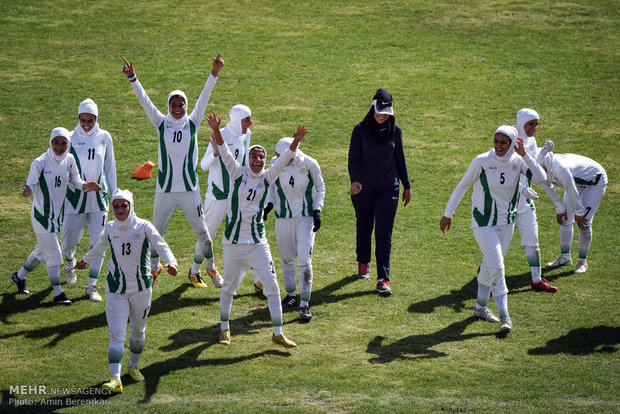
<point x="376" y="164"/>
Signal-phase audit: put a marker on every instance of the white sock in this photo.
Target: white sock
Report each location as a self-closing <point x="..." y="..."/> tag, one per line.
<point x="566" y="239"/>
<point x="532" y="253"/>
<point x="484" y="292"/>
<point x="501" y="301"/>
<point x="275" y="310"/>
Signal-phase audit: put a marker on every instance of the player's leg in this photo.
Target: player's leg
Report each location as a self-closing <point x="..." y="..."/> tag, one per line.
<point x="139" y="307"/>
<point x="214" y="212"/>
<point x="116" y="314"/>
<point x="386" y="204"/>
<point x="96" y="222"/>
<point x="19" y="277"/>
<point x="49" y="247"/>
<point x="499" y="287"/>
<point x="286" y="238"/>
<point x="566" y="236"/>
<point x="72" y="232"/>
<point x="591" y="197"/>
<point x="191" y="205"/>
<point x="305" y="244"/>
<point x="163" y="208"/>
<point x="235" y="263"/>
<point x="364" y="206"/>
<point x="528" y="230"/>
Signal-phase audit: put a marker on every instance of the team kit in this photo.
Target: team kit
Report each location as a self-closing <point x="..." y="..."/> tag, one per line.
<point x="74" y="185"/>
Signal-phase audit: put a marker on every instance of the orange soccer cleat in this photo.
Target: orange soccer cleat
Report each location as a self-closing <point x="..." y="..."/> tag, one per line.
<point x="144" y="171"/>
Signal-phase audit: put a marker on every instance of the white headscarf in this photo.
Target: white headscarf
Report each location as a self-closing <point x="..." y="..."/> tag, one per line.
<point x="59" y="132"/>
<point x="283" y="144"/>
<point x="131" y="217"/>
<point x="88" y="106"/>
<point x="524" y="116"/>
<point x="169" y="117"/>
<point x="511" y="133"/>
<point x="237" y="114"/>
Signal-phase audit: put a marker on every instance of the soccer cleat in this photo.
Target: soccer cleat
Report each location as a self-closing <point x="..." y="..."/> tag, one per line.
<point x="383" y="287"/>
<point x="581" y="267"/>
<point x="115" y="385"/>
<point x="283" y="340"/>
<point x="21" y="284"/>
<point x="506" y="325"/>
<point x="258" y="288"/>
<point x="61" y="299"/>
<point x="559" y="262"/>
<point x="216" y="278"/>
<point x="224" y="337"/>
<point x="156" y="273"/>
<point x="363" y="271"/>
<point x="288" y="303"/>
<point x="304" y="313"/>
<point x="92" y="294"/>
<point x="196" y="280"/>
<point x="135" y="374"/>
<point x="70" y="276"/>
<point x="544" y="286"/>
<point x="486" y="314"/>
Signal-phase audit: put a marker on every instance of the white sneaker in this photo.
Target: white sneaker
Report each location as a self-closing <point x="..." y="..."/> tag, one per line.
<point x="559" y="262"/>
<point x="506" y="325"/>
<point x="486" y="314"/>
<point x="92" y="294"/>
<point x="581" y="267"/>
<point x="70" y="276"/>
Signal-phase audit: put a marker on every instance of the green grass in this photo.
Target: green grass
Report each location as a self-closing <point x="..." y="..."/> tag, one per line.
<point x="456" y="70"/>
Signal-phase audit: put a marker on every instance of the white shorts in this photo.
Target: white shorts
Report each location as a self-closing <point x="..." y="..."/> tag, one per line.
<point x="494" y="242"/>
<point x="528" y="227"/>
<point x="73" y="230"/>
<point x="295" y="239"/>
<point x="190" y="204"/>
<point x="238" y="258"/>
<point x="591" y="196"/>
<point x="120" y="307"/>
<point x="47" y="249"/>
<point x="215" y="211"/>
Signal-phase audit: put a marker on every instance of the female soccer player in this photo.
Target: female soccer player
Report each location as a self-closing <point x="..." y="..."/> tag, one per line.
<point x="92" y="149"/>
<point x="244" y="241"/>
<point x="177" y="179"/>
<point x="129" y="288"/>
<point x="298" y="194"/>
<point x="47" y="183"/>
<point x="495" y="177"/>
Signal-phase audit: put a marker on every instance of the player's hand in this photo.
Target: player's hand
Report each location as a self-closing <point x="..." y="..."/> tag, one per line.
<point x="445" y="224"/>
<point x="267" y="210"/>
<point x="406" y="196"/>
<point x="213" y="121"/>
<point x="316" y="215"/>
<point x="26" y="191"/>
<point x="582" y="221"/>
<point x="218" y="64"/>
<point x="91" y="186"/>
<point x="528" y="192"/>
<point x="520" y="147"/>
<point x="128" y="68"/>
<point x="298" y="136"/>
<point x="562" y="218"/>
<point x="81" y="265"/>
<point x="172" y="269"/>
<point x="356" y="187"/>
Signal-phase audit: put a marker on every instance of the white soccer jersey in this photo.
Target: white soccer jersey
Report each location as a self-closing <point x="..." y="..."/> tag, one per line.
<point x="220" y="183"/>
<point x="571" y="171"/>
<point x="299" y="189"/>
<point x="496" y="188"/>
<point x="94" y="156"/>
<point x="532" y="150"/>
<point x="177" y="156"/>
<point x="48" y="180"/>
<point x="244" y="215"/>
<point x="129" y="268"/>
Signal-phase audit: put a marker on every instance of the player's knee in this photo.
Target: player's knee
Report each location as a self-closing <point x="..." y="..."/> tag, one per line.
<point x="117" y="336"/>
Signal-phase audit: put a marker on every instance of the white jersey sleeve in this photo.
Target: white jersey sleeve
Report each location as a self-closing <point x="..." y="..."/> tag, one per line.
<point x="151" y="110"/>
<point x="201" y="104"/>
<point x="472" y="173"/>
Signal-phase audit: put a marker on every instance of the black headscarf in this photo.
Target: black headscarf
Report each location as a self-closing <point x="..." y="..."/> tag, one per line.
<point x="379" y="132"/>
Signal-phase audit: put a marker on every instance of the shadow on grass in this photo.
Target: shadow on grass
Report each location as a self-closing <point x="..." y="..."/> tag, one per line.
<point x="582" y="341"/>
<point x="27" y="403"/>
<point x="10" y="304"/>
<point x="419" y="346"/>
<point x="165" y="303"/>
<point x="456" y="299"/>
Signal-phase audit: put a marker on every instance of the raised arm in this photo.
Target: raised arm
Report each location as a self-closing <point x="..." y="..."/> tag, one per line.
<point x="232" y="166"/>
<point x="203" y="100"/>
<point x="276" y="168"/>
<point x="151" y="110"/>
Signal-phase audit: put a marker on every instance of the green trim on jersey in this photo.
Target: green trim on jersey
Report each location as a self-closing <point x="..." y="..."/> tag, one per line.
<point x="511" y="214"/>
<point x="145" y="271"/>
<point x="489" y="204"/>
<point x="234" y="207"/>
<point x="47" y="204"/>
<point x="581" y="181"/>
<point x="113" y="279"/>
<point x="257" y="225"/>
<point x="284" y="204"/>
<point x="191" y="171"/>
<point x="164" y="169"/>
<point x="100" y="199"/>
<point x="308" y="201"/>
<point x="74" y="196"/>
<point x="222" y="194"/>
<point x="529" y="202"/>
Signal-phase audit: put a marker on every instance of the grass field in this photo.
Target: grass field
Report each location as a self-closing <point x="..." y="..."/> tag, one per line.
<point x="456" y="70"/>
